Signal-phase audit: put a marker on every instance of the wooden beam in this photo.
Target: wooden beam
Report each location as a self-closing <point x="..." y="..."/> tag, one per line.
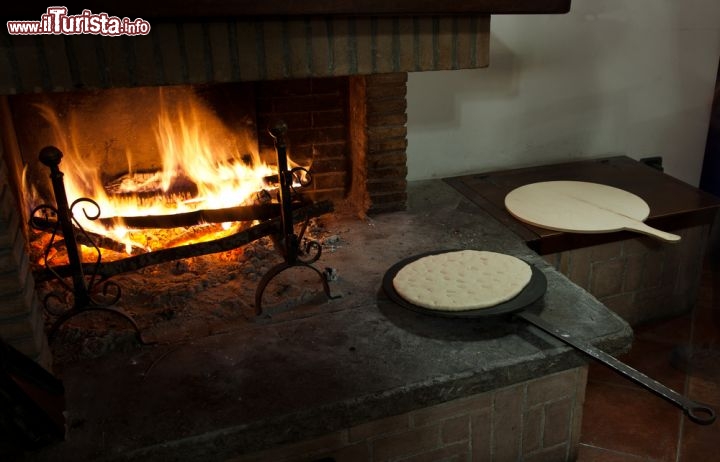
<point x="187" y="9"/>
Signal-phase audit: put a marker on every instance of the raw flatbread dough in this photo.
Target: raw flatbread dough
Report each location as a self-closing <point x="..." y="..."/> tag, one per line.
<point x="462" y="280"/>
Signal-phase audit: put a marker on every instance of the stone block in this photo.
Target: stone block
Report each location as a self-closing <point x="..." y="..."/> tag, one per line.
<point x="393" y="89"/>
<point x="652" y="269"/>
<point x="334" y="180"/>
<point x="551" y="387"/>
<point x="507" y="424"/>
<point x="553" y="259"/>
<point x="387" y="78"/>
<point x="451" y="409"/>
<point x="375" y="428"/>
<point x="412" y="442"/>
<point x="580" y="266"/>
<point x="322" y="119"/>
<point x="607" y="277"/>
<point x="456" y="452"/>
<point x="607" y="251"/>
<point x="640" y="245"/>
<point x="663" y="278"/>
<point x="387" y="159"/>
<point x="397" y="119"/>
<point x="455" y="429"/>
<point x="657" y="303"/>
<point x="299" y="451"/>
<point x="564" y="263"/>
<point x="355" y="453"/>
<point x="690" y="264"/>
<point x="376" y="146"/>
<point x="387" y="106"/>
<point x="553" y="454"/>
<point x="671" y="265"/>
<point x="558" y="417"/>
<point x="632" y="278"/>
<point x="532" y="429"/>
<point x="621" y="304"/>
<point x="496" y="425"/>
<point x="482" y="429"/>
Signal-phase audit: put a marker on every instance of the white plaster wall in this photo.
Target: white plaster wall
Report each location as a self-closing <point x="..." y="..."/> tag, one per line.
<point x="612" y="77"/>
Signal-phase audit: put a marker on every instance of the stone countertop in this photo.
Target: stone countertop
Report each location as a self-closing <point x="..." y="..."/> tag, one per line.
<point x="343" y="362"/>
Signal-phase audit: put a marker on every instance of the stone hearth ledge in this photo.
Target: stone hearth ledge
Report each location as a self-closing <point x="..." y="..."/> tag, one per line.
<point x="357" y="359"/>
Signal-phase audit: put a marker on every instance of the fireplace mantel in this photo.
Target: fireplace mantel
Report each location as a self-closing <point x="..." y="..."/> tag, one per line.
<point x="245" y="8"/>
<point x="221" y="41"/>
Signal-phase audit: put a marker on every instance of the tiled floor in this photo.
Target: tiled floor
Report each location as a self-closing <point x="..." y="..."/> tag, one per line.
<point x="623" y="422"/>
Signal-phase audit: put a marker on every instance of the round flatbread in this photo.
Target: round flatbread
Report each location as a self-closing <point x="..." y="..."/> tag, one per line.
<point x="462" y="280"/>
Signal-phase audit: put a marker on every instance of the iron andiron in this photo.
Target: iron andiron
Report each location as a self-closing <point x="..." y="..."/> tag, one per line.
<point x="88" y="291"/>
<point x="293" y="254"/>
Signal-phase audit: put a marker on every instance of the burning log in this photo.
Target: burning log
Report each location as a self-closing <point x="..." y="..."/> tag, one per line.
<point x="241" y="213"/>
<point x="149" y="185"/>
<point x="199" y="233"/>
<point x="134" y="263"/>
<point x="90" y="239"/>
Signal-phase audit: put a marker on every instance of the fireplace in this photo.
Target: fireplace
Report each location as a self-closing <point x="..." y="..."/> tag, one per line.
<point x="337" y="79"/>
<point x="116" y="152"/>
<point x="350" y="127"/>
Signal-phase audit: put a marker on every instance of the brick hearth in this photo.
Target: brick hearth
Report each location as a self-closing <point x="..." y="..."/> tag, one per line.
<point x="537" y="419"/>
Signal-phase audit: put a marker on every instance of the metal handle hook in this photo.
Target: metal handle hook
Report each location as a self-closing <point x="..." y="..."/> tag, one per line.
<point x="700" y="414"/>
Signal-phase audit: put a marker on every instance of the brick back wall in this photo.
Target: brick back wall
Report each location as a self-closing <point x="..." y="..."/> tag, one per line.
<point x="386" y="141"/>
<point x="379" y="141"/>
<point x="640" y="279"/>
<point x="315" y="111"/>
<point x="352" y="130"/>
<point x="537" y="420"/>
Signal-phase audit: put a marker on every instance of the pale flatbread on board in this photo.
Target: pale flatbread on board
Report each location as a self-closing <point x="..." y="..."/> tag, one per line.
<point x="462" y="280"/>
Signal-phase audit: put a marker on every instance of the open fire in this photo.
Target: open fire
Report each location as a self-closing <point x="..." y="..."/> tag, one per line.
<point x="197" y="163"/>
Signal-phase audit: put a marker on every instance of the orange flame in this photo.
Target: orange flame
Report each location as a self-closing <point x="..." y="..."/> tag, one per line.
<point x="193" y="144"/>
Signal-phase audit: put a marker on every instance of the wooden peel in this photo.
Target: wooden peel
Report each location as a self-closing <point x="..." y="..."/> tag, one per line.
<point x="582" y="207"/>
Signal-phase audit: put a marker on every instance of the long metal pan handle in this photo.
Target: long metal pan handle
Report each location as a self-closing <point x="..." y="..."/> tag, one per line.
<point x="696" y="412"/>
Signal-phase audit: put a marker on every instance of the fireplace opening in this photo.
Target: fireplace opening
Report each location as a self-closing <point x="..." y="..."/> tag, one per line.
<point x="154" y="150"/>
<point x="153" y="147"/>
<point x="170" y="167"/>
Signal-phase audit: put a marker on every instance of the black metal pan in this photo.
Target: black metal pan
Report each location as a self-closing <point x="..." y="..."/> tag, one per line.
<point x="696" y="412"/>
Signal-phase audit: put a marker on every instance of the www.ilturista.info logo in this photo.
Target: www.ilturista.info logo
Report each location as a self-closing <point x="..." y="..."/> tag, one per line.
<point x="56" y="21"/>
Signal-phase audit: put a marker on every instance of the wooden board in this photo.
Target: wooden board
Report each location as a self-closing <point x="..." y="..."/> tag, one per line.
<point x="582" y="207"/>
